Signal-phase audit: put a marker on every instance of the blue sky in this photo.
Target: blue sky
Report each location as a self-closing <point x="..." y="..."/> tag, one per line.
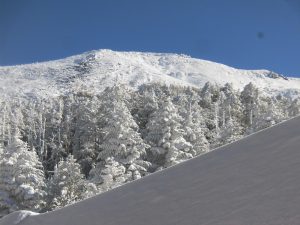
<point x="248" y="34"/>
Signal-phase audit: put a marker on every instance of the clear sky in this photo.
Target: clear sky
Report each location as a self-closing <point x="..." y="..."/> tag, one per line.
<point x="248" y="34"/>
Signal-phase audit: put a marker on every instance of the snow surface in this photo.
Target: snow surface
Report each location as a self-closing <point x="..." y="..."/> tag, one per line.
<point x="253" y="181"/>
<point x="97" y="69"/>
<point x="16" y="217"/>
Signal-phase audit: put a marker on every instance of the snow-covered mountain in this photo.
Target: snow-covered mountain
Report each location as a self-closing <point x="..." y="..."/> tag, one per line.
<point x="98" y="69"/>
<point x="76" y="142"/>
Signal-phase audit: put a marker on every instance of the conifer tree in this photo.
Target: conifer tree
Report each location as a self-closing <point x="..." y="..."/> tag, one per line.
<point x="22" y="181"/>
<point x="67" y="185"/>
<point x="294" y="108"/>
<point x="250" y="100"/>
<point x="231" y="114"/>
<point x="145" y="107"/>
<point x="85" y="139"/>
<point x="165" y="135"/>
<point x="210" y="96"/>
<point x="108" y="174"/>
<point x="194" y="132"/>
<point x="122" y="142"/>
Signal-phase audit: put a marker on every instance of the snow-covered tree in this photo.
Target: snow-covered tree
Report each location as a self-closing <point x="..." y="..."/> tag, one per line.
<point x="250" y="100"/>
<point x="108" y="174"/>
<point x="146" y="105"/>
<point x="194" y="133"/>
<point x="121" y="139"/>
<point x="86" y="157"/>
<point x="122" y="142"/>
<point x="210" y="97"/>
<point x="6" y="125"/>
<point x="165" y="135"/>
<point x="268" y="114"/>
<point x="231" y="115"/>
<point x="85" y="139"/>
<point x="7" y="204"/>
<point x="67" y="185"/>
<point x="22" y="181"/>
<point x="294" y="108"/>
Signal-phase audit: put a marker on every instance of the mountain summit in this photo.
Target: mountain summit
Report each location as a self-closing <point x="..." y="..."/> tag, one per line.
<point x="101" y="68"/>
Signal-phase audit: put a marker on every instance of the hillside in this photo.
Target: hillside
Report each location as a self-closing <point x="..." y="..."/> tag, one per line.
<point x="98" y="69"/>
<point x="253" y="181"/>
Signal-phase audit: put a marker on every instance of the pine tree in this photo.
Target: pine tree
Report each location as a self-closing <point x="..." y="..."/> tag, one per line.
<point x="108" y="174"/>
<point x="146" y="105"/>
<point x="194" y="132"/>
<point x="210" y="97"/>
<point x="121" y="139"/>
<point x="165" y="135"/>
<point x="231" y="115"/>
<point x="21" y="177"/>
<point x="67" y="185"/>
<point x="122" y="142"/>
<point x="268" y="114"/>
<point x="85" y="139"/>
<point x="251" y="101"/>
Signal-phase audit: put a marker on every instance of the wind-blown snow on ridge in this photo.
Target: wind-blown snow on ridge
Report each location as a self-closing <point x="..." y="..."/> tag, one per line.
<point x="97" y="69"/>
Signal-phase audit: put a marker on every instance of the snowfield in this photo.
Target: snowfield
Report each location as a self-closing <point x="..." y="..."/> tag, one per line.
<point x="253" y="181"/>
<point x="98" y="69"/>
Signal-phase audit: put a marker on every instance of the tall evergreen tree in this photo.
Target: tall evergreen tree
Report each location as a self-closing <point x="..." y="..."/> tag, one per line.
<point x="67" y="185"/>
<point x="122" y="142"/>
<point x="145" y="107"/>
<point x="231" y="115"/>
<point x="193" y="130"/>
<point x="250" y="100"/>
<point x="210" y="96"/>
<point x="22" y="181"/>
<point x="165" y="135"/>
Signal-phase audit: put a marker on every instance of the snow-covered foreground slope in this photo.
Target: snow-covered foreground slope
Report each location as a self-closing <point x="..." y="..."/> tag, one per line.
<point x="253" y="181"/>
<point x="16" y="217"/>
<point x="98" y="69"/>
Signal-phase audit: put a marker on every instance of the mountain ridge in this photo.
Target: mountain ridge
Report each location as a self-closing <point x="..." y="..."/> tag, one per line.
<point x="100" y="68"/>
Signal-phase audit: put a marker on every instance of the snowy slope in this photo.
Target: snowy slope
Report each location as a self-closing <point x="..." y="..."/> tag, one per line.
<point x="16" y="217"/>
<point x="97" y="69"/>
<point x="253" y="181"/>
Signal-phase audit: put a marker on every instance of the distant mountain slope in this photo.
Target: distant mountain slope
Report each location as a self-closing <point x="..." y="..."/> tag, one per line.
<point x="98" y="69"/>
<point x="253" y="181"/>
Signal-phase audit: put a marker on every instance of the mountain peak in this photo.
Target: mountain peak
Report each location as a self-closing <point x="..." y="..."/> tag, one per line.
<point x="100" y="68"/>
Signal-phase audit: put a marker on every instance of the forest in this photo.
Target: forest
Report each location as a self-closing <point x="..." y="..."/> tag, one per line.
<point x="57" y="151"/>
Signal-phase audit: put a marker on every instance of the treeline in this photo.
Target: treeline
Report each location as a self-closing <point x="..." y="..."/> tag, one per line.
<point x="54" y="152"/>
